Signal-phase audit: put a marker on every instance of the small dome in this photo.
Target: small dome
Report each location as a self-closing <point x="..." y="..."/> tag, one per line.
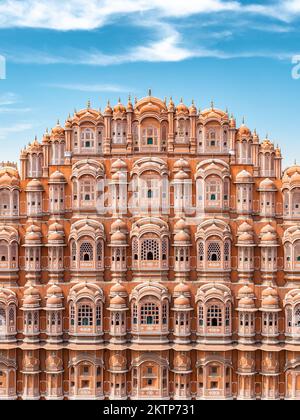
<point x="117" y="301"/>
<point x="182" y="301"/>
<point x="118" y="237"/>
<point x="269" y="291"/>
<point x="244" y="176"/>
<point x="181" y="289"/>
<point x="180" y="224"/>
<point x="295" y="178"/>
<point x="56" y="227"/>
<point x="181" y="236"/>
<point x="181" y="164"/>
<point x="119" y="108"/>
<point x="268" y="237"/>
<point x="34" y="185"/>
<point x="108" y="110"/>
<point x="55" y="236"/>
<point x="58" y="130"/>
<point x="246" y="302"/>
<point x="118" y="288"/>
<point x="244" y="131"/>
<point x="245" y="237"/>
<point x="244" y="227"/>
<point x="118" y="225"/>
<point x="181" y="175"/>
<point x="31" y="300"/>
<point x="193" y="109"/>
<point x="267" y="228"/>
<point x="119" y="165"/>
<point x="267" y="185"/>
<point x="58" y="177"/>
<point x="245" y="291"/>
<point x="31" y="291"/>
<point x="270" y="301"/>
<point x="182" y="108"/>
<point x="54" y="290"/>
<point x="54" y="300"/>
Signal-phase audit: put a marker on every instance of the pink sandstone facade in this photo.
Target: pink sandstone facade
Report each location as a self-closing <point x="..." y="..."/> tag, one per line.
<point x="150" y="252"/>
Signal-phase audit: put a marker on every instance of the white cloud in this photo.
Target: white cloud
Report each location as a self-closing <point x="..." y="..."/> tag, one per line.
<point x="77" y="14"/>
<point x="15" y="128"/>
<point x="8" y="98"/>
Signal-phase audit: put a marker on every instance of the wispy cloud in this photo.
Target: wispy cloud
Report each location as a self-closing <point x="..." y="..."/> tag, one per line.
<point x="8" y="98"/>
<point x="79" y="15"/>
<point x="15" y="128"/>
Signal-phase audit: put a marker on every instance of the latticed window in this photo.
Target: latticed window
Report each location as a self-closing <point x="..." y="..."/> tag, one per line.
<point x="2" y="317"/>
<point x="164" y="248"/>
<point x="3" y="251"/>
<point x="297" y="316"/>
<point x="226" y="251"/>
<point x="134" y="313"/>
<point x="99" y="251"/>
<point x="85" y="315"/>
<point x="214" y="316"/>
<point x="213" y="191"/>
<point x="86" y="252"/>
<point x="201" y="251"/>
<point x="11" y="315"/>
<point x="165" y="314"/>
<point x="150" y="250"/>
<point x="36" y="318"/>
<point x="227" y="316"/>
<point x="214" y="251"/>
<point x="72" y="315"/>
<point x="74" y="251"/>
<point x="98" y="315"/>
<point x="135" y="249"/>
<point x="87" y="190"/>
<point x="201" y="315"/>
<point x="149" y="314"/>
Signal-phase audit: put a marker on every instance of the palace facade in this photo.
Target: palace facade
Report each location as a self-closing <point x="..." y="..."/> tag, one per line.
<point x="150" y="252"/>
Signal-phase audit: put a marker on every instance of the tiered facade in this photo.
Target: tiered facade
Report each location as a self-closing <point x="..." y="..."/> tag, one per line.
<point x="150" y="252"/>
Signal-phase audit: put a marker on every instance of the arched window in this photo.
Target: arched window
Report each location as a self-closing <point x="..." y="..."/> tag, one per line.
<point x="214" y="252"/>
<point x="87" y="138"/>
<point x="85" y="315"/>
<point x="150" y="250"/>
<point x="214" y="316"/>
<point x="149" y="314"/>
<point x="86" y="252"/>
<point x="2" y="318"/>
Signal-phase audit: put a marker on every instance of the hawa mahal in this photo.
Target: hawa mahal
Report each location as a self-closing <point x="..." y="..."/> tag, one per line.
<point x="150" y="251"/>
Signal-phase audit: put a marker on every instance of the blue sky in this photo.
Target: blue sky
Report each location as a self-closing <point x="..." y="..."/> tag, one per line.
<point x="60" y="54"/>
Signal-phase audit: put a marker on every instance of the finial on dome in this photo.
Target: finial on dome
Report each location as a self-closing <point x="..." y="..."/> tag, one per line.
<point x="150" y="92"/>
<point x="119" y="100"/>
<point x="181" y="100"/>
<point x="88" y="104"/>
<point x="243" y="122"/>
<point x="212" y="104"/>
<point x="135" y="100"/>
<point x="58" y="123"/>
<point x="295" y="163"/>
